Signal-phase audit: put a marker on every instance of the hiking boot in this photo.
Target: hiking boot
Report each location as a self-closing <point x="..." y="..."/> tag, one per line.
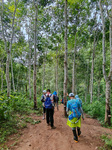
<point x="75" y="136"/>
<point x="75" y="139"/>
<point x="79" y="134"/>
<point x="53" y="127"/>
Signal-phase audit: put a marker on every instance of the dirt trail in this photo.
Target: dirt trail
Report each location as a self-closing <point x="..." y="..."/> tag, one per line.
<point x="42" y="137"/>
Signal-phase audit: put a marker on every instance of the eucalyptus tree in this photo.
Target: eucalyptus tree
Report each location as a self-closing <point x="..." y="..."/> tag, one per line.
<point x="108" y="78"/>
<point x="8" y="49"/>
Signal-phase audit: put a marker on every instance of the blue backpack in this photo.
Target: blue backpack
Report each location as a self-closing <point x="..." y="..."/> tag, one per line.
<point x="48" y="103"/>
<point x="75" y="111"/>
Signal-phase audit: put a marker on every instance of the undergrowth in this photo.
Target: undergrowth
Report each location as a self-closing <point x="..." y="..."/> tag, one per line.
<point x="15" y="114"/>
<point x="107" y="139"/>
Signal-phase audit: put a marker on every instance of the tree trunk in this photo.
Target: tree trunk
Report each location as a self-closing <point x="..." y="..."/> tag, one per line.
<point x="43" y="80"/>
<point x="108" y="106"/>
<point x="35" y="57"/>
<point x="12" y="76"/>
<point x="74" y="74"/>
<point x="92" y="70"/>
<point x="109" y="78"/>
<point x="65" y="62"/>
<point x="98" y="89"/>
<point x="2" y="78"/>
<point x="103" y="41"/>
<point x="57" y="70"/>
<point x="10" y="46"/>
<point x="29" y="68"/>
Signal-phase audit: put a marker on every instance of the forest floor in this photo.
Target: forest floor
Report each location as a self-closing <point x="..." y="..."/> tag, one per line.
<point x="42" y="137"/>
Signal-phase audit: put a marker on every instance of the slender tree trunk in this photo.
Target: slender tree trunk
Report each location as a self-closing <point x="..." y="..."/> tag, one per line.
<point x="103" y="41"/>
<point x="65" y="61"/>
<point x="29" y="69"/>
<point x="12" y="76"/>
<point x="109" y="78"/>
<point x="2" y="78"/>
<point x="108" y="106"/>
<point x="35" y="57"/>
<point x="43" y="80"/>
<point x="98" y="90"/>
<point x="92" y="70"/>
<point x="57" y="70"/>
<point x="74" y="74"/>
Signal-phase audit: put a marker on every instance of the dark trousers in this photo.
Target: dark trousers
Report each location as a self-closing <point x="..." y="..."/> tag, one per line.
<point x="44" y="110"/>
<point x="49" y="116"/>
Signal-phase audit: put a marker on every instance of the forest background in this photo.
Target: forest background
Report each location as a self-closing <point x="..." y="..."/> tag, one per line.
<point x="65" y="46"/>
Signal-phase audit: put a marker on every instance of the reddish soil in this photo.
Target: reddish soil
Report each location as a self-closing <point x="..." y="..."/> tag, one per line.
<point x="42" y="137"/>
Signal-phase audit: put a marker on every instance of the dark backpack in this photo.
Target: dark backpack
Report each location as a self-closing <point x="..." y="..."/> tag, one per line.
<point x="56" y="98"/>
<point x="48" y="103"/>
<point x="75" y="111"/>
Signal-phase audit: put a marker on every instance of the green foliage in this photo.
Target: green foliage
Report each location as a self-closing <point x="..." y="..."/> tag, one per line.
<point x="108" y="141"/>
<point x="96" y="109"/>
<point x="13" y="114"/>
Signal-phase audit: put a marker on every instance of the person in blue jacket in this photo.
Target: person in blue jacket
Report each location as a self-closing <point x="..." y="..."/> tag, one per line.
<point x="74" y="116"/>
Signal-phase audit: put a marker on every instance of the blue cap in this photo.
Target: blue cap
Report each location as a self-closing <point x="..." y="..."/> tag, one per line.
<point x="55" y="93"/>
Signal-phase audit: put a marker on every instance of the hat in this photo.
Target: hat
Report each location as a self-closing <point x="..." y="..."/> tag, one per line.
<point x="44" y="91"/>
<point x="71" y="95"/>
<point x="76" y="96"/>
<point x="55" y="93"/>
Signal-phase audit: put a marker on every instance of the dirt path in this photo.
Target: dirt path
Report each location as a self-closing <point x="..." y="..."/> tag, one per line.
<point x="42" y="137"/>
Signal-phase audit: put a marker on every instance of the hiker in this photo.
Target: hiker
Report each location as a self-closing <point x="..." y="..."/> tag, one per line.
<point x="77" y="97"/>
<point x="43" y="101"/>
<point x="74" y="116"/>
<point x="56" y="99"/>
<point x="49" y="106"/>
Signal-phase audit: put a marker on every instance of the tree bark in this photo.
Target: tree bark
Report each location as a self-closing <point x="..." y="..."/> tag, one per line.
<point x="35" y="57"/>
<point x="103" y="41"/>
<point x="57" y="70"/>
<point x="108" y="106"/>
<point x="92" y="70"/>
<point x="29" y="68"/>
<point x="74" y="74"/>
<point x="98" y="89"/>
<point x="12" y="76"/>
<point x="109" y="78"/>
<point x="65" y="62"/>
<point x="43" y="80"/>
<point x="2" y="78"/>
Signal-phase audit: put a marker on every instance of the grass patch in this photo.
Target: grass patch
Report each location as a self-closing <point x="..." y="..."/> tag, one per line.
<point x="107" y="139"/>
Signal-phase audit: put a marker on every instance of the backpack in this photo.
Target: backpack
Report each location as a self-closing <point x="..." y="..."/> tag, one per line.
<point x="75" y="111"/>
<point x="56" y="98"/>
<point x="43" y="98"/>
<point x="48" y="103"/>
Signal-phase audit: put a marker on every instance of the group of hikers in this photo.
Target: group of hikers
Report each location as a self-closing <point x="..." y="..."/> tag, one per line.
<point x="73" y="108"/>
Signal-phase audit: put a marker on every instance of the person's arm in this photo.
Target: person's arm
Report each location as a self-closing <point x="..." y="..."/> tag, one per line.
<point x="67" y="108"/>
<point x="81" y="110"/>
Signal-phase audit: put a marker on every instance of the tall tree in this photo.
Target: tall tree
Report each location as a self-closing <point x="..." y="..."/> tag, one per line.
<point x="35" y="57"/>
<point x="108" y="78"/>
<point x="74" y="69"/>
<point x="8" y="49"/>
<point x="65" y="61"/>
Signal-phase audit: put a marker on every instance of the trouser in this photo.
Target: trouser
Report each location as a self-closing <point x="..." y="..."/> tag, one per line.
<point x="49" y="116"/>
<point x="56" y="105"/>
<point x="76" y="132"/>
<point x="43" y="110"/>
